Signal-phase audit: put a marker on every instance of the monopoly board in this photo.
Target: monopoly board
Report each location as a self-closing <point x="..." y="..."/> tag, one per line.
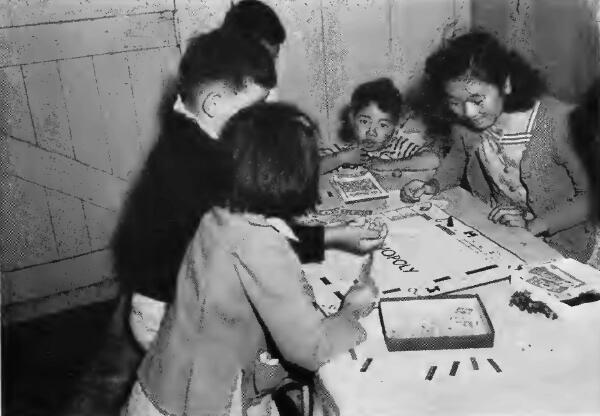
<point x="427" y="253"/>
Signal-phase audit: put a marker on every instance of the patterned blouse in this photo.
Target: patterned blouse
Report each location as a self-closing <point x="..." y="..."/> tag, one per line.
<point x="500" y="155"/>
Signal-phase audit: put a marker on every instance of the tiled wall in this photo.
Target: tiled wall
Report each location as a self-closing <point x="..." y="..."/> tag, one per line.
<point x="78" y="86"/>
<point x="79" y="83"/>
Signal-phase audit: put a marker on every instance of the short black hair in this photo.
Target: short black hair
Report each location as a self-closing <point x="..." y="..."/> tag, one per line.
<point x="275" y="158"/>
<point x="255" y="19"/>
<point x="224" y="56"/>
<point x="381" y="92"/>
<point x="482" y="56"/>
<point x="585" y="132"/>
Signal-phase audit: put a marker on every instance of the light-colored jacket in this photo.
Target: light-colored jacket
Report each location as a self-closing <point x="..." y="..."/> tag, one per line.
<point x="555" y="179"/>
<point x="211" y="334"/>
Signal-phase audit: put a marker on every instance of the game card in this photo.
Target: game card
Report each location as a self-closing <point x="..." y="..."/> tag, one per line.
<point x="355" y="188"/>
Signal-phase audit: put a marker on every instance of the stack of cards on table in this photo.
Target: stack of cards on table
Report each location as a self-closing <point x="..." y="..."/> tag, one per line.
<point x="557" y="282"/>
<point x="358" y="187"/>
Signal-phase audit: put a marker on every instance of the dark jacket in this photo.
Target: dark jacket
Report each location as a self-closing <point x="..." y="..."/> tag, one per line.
<point x="186" y="173"/>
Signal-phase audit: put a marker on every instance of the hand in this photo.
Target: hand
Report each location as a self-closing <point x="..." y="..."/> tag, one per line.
<point x="509" y="216"/>
<point x="414" y="190"/>
<point x="360" y="300"/>
<point x="357" y="240"/>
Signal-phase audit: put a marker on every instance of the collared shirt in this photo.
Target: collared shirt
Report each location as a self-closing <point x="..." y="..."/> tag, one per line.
<point x="501" y="156"/>
<point x="179" y="107"/>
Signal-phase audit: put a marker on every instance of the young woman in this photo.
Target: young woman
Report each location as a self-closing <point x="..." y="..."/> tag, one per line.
<point x="370" y="125"/>
<point x="510" y="143"/>
<point x="241" y="299"/>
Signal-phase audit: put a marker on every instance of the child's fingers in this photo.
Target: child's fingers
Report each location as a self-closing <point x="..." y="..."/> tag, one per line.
<point x="498" y="212"/>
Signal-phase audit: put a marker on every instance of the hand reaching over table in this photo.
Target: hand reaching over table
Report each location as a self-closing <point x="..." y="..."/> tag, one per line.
<point x="356" y="239"/>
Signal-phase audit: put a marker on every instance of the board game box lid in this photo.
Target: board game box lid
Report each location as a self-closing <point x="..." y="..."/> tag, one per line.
<point x="435" y="323"/>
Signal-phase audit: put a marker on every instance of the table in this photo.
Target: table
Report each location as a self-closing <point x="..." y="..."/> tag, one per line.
<point x="547" y="367"/>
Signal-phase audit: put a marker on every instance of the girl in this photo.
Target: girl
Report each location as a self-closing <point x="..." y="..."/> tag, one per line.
<point x="241" y="300"/>
<point x="585" y="127"/>
<point x="370" y="125"/>
<point x="510" y="141"/>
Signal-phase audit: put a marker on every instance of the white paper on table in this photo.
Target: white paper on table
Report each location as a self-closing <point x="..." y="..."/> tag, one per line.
<point x="555" y="281"/>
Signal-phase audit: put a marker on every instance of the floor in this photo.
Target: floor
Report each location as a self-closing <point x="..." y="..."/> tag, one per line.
<point x="72" y="363"/>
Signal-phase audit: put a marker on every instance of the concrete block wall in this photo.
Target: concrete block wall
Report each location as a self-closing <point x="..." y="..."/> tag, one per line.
<point x="78" y="82"/>
<point x="79" y="86"/>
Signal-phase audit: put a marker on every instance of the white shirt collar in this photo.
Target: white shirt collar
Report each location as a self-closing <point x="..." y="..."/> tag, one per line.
<point x="179" y="107"/>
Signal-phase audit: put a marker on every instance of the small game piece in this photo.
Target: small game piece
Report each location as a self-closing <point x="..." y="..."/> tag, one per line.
<point x="366" y="365"/>
<point x="494" y="365"/>
<point x="431" y="372"/>
<point x="482" y="269"/>
<point x="474" y="363"/>
<point x="454" y="368"/>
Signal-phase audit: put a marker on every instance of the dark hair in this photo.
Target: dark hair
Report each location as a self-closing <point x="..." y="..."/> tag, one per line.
<point x="224" y="56"/>
<point x="382" y="92"/>
<point x="585" y="130"/>
<point x="480" y="55"/>
<point x="275" y="158"/>
<point x="255" y="19"/>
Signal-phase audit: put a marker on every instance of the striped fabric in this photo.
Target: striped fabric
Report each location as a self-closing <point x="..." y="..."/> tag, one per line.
<point x="396" y="148"/>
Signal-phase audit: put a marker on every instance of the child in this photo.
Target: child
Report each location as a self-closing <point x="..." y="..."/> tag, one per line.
<point x="585" y="128"/>
<point x="241" y="299"/>
<point x="510" y="143"/>
<point x="370" y="124"/>
<point x="255" y="19"/>
<point x="188" y="171"/>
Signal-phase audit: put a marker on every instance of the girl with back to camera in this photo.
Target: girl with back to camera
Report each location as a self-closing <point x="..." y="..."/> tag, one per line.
<point x="510" y="143"/>
<point x="241" y="292"/>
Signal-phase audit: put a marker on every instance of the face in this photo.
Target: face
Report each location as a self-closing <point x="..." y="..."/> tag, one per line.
<point x="372" y="126"/>
<point x="474" y="102"/>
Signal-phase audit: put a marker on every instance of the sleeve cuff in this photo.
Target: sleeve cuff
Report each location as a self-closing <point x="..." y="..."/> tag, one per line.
<point x="311" y="245"/>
